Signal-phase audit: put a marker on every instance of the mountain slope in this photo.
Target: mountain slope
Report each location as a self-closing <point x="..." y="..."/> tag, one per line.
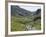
<point x="16" y="11"/>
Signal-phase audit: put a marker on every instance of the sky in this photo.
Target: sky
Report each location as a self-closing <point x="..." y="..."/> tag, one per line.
<point x="30" y="8"/>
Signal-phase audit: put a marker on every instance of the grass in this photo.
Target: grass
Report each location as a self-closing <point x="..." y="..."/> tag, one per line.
<point x="18" y="23"/>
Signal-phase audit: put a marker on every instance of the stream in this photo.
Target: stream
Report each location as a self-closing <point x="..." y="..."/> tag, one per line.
<point x="29" y="28"/>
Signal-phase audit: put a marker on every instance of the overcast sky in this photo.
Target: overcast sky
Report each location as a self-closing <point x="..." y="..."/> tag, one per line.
<point x="31" y="8"/>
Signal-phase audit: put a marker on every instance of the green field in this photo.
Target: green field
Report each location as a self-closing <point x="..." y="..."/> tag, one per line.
<point x="19" y="23"/>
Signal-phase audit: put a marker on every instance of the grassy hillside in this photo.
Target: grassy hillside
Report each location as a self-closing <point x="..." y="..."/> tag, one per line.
<point x="19" y="23"/>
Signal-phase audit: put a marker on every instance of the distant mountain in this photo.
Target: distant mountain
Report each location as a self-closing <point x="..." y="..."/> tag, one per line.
<point x="37" y="14"/>
<point x="17" y="11"/>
